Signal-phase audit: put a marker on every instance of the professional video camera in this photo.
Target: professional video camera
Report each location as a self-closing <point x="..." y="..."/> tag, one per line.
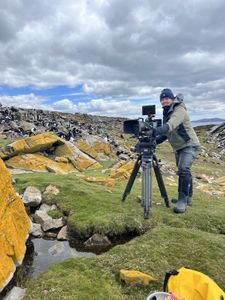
<point x="143" y="130"/>
<point x="140" y="127"/>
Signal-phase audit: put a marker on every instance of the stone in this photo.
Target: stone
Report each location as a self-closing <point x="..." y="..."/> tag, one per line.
<point x="32" y="196"/>
<point x="14" y="228"/>
<point x="46" y="208"/>
<point x="53" y="224"/>
<point x="135" y="277"/>
<point x="97" y="240"/>
<point x="16" y="293"/>
<point x="79" y="160"/>
<point x="37" y="143"/>
<point x="36" y="230"/>
<point x="41" y="217"/>
<point x="51" y="189"/>
<point x="121" y="170"/>
<point x="57" y="249"/>
<point x="63" y="234"/>
<point x="101" y="180"/>
<point x="39" y="163"/>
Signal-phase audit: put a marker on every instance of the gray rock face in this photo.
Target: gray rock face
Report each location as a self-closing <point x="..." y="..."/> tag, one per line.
<point x="32" y="196"/>
<point x="16" y="293"/>
<point x="46" y="208"/>
<point x="52" y="224"/>
<point x="97" y="240"/>
<point x="36" y="230"/>
<point x="63" y="235"/>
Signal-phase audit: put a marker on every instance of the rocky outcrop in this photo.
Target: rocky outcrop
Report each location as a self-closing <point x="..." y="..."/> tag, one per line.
<point x="14" y="228"/>
<point x="47" y="152"/>
<point x="217" y="136"/>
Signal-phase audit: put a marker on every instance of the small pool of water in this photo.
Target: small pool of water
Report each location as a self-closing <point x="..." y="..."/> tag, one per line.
<point x="44" y="253"/>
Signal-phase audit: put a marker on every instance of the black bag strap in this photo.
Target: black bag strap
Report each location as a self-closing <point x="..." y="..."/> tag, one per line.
<point x="167" y="276"/>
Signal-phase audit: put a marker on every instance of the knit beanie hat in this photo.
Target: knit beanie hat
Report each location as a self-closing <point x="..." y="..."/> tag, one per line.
<point x="167" y="93"/>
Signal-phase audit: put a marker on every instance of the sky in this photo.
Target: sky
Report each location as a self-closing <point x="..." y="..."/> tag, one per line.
<point x="110" y="57"/>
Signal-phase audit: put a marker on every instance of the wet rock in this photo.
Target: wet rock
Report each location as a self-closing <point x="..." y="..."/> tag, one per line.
<point x="56" y="249"/>
<point x="36" y="230"/>
<point x="32" y="196"/>
<point x="97" y="240"/>
<point x="63" y="234"/>
<point x="53" y="224"/>
<point x="16" y="293"/>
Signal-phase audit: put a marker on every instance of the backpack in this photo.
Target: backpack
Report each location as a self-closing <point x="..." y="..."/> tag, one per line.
<point x="192" y="285"/>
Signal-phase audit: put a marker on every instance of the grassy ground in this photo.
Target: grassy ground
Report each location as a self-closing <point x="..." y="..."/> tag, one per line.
<point x="195" y="239"/>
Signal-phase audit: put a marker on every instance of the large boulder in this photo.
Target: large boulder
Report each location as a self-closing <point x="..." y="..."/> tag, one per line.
<point x="38" y="162"/>
<point x="79" y="159"/>
<point x="96" y="147"/>
<point x="36" y="143"/>
<point x="121" y="170"/>
<point x="14" y="228"/>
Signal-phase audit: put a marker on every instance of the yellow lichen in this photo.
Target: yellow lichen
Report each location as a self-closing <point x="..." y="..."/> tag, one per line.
<point x="14" y="227"/>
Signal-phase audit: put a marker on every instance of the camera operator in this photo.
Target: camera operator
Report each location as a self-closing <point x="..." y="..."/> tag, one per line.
<point x="177" y="128"/>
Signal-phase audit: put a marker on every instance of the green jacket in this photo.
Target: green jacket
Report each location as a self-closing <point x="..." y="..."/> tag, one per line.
<point x="181" y="133"/>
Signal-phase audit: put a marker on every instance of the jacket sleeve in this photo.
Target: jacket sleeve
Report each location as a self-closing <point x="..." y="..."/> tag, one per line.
<point x="176" y="118"/>
<point x="160" y="139"/>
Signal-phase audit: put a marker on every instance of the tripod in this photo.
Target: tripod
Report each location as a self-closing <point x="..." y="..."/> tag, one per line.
<point x="146" y="159"/>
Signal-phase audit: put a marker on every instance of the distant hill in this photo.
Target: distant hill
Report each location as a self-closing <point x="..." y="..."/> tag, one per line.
<point x="209" y="120"/>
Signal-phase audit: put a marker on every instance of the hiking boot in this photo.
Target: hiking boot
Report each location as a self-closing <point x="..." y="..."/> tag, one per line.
<point x="189" y="201"/>
<point x="181" y="204"/>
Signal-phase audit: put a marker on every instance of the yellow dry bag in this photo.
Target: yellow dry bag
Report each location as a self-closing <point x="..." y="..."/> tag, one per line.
<point x="188" y="284"/>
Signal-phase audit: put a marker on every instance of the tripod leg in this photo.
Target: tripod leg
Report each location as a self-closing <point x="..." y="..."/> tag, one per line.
<point x="132" y="178"/>
<point x="146" y="187"/>
<point x="160" y="181"/>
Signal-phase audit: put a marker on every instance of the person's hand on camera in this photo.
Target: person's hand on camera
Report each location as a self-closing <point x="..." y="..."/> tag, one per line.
<point x="161" y="130"/>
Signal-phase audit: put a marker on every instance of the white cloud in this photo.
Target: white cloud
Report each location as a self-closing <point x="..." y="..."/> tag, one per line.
<point x="117" y="49"/>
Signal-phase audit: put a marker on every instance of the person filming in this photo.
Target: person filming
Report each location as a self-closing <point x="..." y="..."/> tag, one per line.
<point x="177" y="128"/>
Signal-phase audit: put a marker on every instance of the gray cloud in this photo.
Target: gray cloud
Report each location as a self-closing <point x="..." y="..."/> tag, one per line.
<point x="117" y="49"/>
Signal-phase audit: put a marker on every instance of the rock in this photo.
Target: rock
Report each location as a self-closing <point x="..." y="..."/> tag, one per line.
<point x="135" y="277"/>
<point x="63" y="234"/>
<point x="46" y="208"/>
<point x="121" y="170"/>
<point x="101" y="180"/>
<point x="14" y="228"/>
<point x="37" y="143"/>
<point x="41" y="217"/>
<point x="16" y="293"/>
<point x="50" y="235"/>
<point x="32" y="196"/>
<point x="79" y="160"/>
<point x="51" y="189"/>
<point x="57" y="249"/>
<point x="124" y="156"/>
<point x="36" y="230"/>
<point x="53" y="224"/>
<point x="98" y="240"/>
<point x="38" y="162"/>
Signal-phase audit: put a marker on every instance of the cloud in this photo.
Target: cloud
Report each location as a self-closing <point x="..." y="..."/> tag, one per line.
<point x="115" y="49"/>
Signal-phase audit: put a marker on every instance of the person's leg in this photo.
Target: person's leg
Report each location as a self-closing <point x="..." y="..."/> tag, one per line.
<point x="184" y="162"/>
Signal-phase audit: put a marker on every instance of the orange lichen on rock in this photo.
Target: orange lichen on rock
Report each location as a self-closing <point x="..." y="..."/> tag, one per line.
<point x="14" y="228"/>
<point x="79" y="160"/>
<point x="121" y="170"/>
<point x="101" y="180"/>
<point x="86" y="148"/>
<point x="135" y="277"/>
<point x="36" y="143"/>
<point x="38" y="162"/>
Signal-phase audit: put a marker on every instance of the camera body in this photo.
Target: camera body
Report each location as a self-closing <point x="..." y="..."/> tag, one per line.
<point x="143" y="128"/>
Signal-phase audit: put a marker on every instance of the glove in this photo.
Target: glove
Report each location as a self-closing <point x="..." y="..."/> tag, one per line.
<point x="161" y="130"/>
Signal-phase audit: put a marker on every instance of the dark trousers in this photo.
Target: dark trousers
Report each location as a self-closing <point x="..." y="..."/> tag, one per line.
<point x="184" y="159"/>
